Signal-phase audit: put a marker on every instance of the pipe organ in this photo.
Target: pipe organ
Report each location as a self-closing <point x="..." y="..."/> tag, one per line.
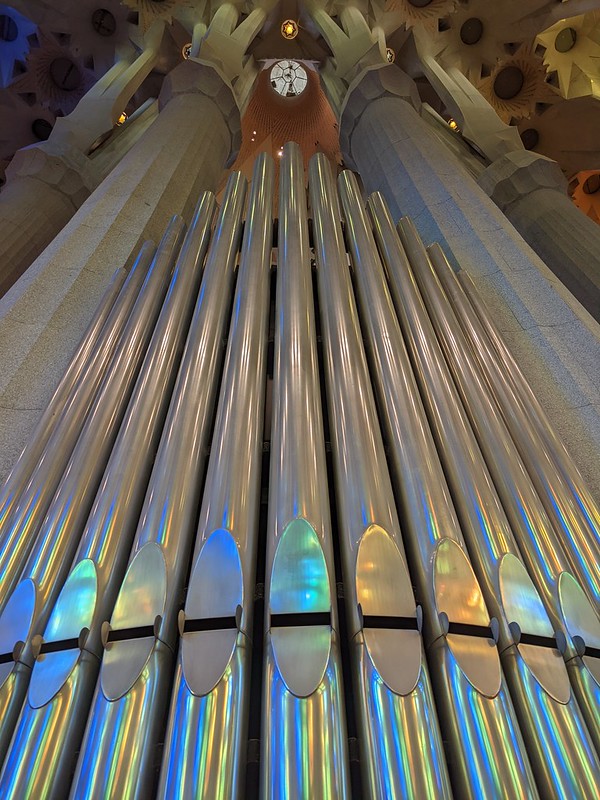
<point x="295" y="526"/>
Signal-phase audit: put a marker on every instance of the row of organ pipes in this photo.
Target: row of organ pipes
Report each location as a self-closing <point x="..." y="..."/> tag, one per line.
<point x="178" y="581"/>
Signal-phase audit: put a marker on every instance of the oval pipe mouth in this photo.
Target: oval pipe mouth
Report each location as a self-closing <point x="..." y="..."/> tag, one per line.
<point x="390" y="619"/>
<point x="15" y="626"/>
<point x="470" y="633"/>
<point x="58" y="651"/>
<point x="131" y="636"/>
<point x="299" y="611"/>
<point x="212" y="620"/>
<point x="582" y="623"/>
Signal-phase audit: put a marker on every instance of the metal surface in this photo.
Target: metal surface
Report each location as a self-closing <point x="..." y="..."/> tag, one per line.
<point x="393" y="694"/>
<point x="587" y="505"/>
<point x="205" y="744"/>
<point x="117" y="753"/>
<point x="555" y="733"/>
<point x="467" y="717"/>
<point x="19" y="528"/>
<point x="565" y="510"/>
<point x="30" y="456"/>
<point x="304" y="737"/>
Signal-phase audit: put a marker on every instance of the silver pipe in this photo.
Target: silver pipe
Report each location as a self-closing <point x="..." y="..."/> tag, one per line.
<point x="393" y="690"/>
<point x="584" y="500"/>
<point x="579" y="541"/>
<point x="303" y="722"/>
<point x="428" y="273"/>
<point x="486" y="754"/>
<point x="63" y="680"/>
<point x="19" y="529"/>
<point x="59" y="534"/>
<point x="549" y="716"/>
<point x="131" y="698"/>
<point x="205" y="745"/>
<point x="30" y="456"/>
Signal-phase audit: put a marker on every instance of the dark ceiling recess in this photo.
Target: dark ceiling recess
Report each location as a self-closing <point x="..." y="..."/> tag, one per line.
<point x="8" y="28"/>
<point x="65" y="74"/>
<point x="471" y="31"/>
<point x="419" y="3"/>
<point x="103" y="22"/>
<point x="565" y="40"/>
<point x="530" y="137"/>
<point x="509" y="82"/>
<point x="41" y="129"/>
<point x="592" y="185"/>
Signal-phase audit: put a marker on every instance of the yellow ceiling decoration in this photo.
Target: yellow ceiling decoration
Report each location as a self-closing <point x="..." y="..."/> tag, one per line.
<point x="573" y="51"/>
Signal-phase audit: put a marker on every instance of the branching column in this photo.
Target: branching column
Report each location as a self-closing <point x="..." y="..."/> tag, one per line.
<point x="386" y="141"/>
<point x="42" y="317"/>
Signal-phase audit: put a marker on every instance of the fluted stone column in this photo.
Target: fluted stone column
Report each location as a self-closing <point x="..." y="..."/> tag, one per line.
<point x="532" y="191"/>
<point x="42" y="317"/>
<point x="556" y="342"/>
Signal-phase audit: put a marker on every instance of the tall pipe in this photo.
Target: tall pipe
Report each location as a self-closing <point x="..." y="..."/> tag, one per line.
<point x="90" y="341"/>
<point x="303" y="720"/>
<point x="486" y="753"/>
<point x="69" y="653"/>
<point x="131" y="698"/>
<point x="63" y="524"/>
<point x="549" y="716"/>
<point x="587" y="504"/>
<point x="19" y="529"/>
<point x="579" y="541"/>
<point x="392" y="685"/>
<point x="205" y="745"/>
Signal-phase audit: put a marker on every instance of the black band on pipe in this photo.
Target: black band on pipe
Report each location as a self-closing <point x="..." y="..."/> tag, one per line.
<point x="209" y="624"/>
<point x="482" y="631"/>
<point x="301" y="620"/>
<point x="540" y="641"/>
<point x="143" y="632"/>
<point x="593" y="652"/>
<point x="6" y="658"/>
<point x="390" y="623"/>
<point x="57" y="647"/>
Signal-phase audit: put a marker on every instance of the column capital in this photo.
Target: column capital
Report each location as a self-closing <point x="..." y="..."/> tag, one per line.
<point x="196" y="76"/>
<point x="517" y="174"/>
<point x="373" y="83"/>
<point x="60" y="166"/>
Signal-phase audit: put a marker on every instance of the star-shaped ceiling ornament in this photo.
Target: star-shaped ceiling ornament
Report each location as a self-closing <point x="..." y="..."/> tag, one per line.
<point x="518" y="84"/>
<point x="55" y="76"/>
<point x="586" y="194"/>
<point x="573" y="52"/>
<point x="423" y="13"/>
<point x="151" y="10"/>
<point x="18" y="33"/>
<point x="21" y="123"/>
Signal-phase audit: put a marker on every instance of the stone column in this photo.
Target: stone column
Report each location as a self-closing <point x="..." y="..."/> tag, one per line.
<point x="532" y="191"/>
<point x="556" y="342"/>
<point x="42" y="317"/>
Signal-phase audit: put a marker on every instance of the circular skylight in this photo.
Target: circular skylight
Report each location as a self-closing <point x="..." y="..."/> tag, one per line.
<point x="288" y="78"/>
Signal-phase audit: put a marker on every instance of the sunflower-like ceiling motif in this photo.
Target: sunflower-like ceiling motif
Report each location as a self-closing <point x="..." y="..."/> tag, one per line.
<point x="517" y="84"/>
<point x="423" y="13"/>
<point x="21" y="123"/>
<point x="16" y="33"/>
<point x="55" y="76"/>
<point x="151" y="10"/>
<point x="586" y="193"/>
<point x="573" y="51"/>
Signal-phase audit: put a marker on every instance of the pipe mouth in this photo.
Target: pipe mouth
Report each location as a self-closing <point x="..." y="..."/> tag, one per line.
<point x="582" y="623"/>
<point x="532" y="630"/>
<point x="468" y="629"/>
<point x="299" y="616"/>
<point x="15" y="626"/>
<point x="59" y="650"/>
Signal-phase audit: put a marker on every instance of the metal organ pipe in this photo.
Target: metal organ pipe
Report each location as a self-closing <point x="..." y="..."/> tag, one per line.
<point x="30" y="456"/>
<point x="56" y="541"/>
<point x="550" y="719"/>
<point x="394" y="696"/>
<point x="303" y="720"/>
<point x="19" y="529"/>
<point x="131" y="698"/>
<point x="206" y="740"/>
<point x="64" y="676"/>
<point x="486" y="753"/>
<point x="509" y="371"/>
